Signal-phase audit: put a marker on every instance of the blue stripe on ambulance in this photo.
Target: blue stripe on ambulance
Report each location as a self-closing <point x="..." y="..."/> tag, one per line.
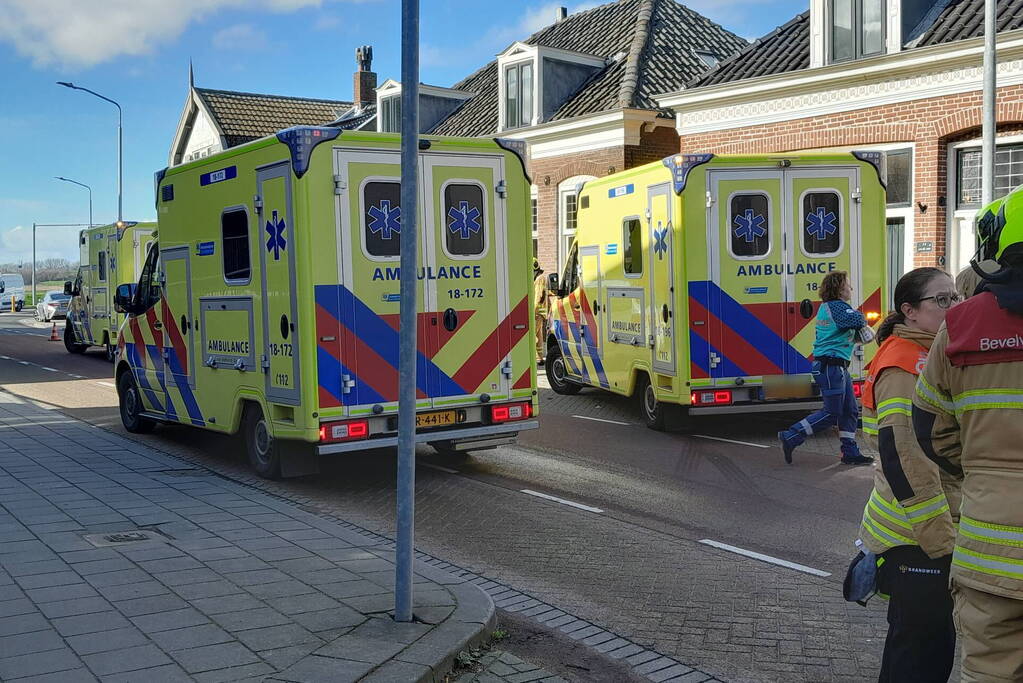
<point x="181" y="382"/>
<point x="559" y="334"/>
<point x="700" y="350"/>
<point x="140" y="375"/>
<point x="330" y="372"/>
<point x="594" y="355"/>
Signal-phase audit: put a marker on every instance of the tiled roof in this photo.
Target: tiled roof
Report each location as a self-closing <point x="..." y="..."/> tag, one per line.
<point x="963" y="19"/>
<point x="787" y="48"/>
<point x="246" y="116"/>
<point x="649" y="45"/>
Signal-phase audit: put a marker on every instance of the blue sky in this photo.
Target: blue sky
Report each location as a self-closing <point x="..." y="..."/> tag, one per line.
<point x="137" y="52"/>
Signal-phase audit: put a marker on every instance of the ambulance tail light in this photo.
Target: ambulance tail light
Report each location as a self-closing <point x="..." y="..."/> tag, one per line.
<point x="350" y="430"/>
<point x="858" y="389"/>
<point x="510" y="412"/>
<point x="872" y="317"/>
<point x="718" y="397"/>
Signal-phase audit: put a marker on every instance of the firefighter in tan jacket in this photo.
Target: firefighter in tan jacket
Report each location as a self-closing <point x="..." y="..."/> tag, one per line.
<point x="968" y="417"/>
<point x="909" y="519"/>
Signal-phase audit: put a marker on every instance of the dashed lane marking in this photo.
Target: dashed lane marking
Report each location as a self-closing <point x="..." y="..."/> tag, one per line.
<point x="741" y="443"/>
<point x="107" y="384"/>
<point x="765" y="558"/>
<point x="423" y="464"/>
<point x="562" y="501"/>
<point x="598" y="419"/>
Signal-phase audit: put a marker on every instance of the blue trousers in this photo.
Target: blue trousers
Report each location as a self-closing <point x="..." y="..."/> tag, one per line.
<point x="840" y="407"/>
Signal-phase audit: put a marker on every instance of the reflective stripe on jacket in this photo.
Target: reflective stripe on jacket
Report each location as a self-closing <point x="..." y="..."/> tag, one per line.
<point x="912" y="503"/>
<point x="968" y="416"/>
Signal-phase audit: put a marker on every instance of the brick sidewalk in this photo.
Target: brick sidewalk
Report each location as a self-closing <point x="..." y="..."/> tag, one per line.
<point x="121" y="563"/>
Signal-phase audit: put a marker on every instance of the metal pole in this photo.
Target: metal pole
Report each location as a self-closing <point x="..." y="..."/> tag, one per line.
<point x="34" y="302"/>
<point x="120" y="176"/>
<point x="987" y="171"/>
<point x="75" y="182"/>
<point x="406" y="507"/>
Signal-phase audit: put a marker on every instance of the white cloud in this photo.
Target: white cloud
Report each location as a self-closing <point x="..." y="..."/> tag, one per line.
<point x="16" y="244"/>
<point x="83" y="33"/>
<point x="239" y="37"/>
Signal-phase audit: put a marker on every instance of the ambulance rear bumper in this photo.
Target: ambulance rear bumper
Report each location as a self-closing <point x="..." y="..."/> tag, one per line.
<point x="482" y="433"/>
<point x="767" y="407"/>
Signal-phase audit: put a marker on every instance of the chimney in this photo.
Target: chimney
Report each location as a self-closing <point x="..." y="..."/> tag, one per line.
<point x="562" y="13"/>
<point x="365" y="81"/>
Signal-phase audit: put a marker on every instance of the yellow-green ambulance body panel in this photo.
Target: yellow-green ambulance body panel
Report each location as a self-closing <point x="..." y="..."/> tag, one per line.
<point x="280" y="278"/>
<point x="701" y="273"/>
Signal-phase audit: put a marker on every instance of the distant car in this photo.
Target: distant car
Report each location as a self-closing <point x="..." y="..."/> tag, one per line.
<point x="53" y="305"/>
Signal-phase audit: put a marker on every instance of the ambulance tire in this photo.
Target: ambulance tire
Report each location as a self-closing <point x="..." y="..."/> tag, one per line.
<point x="554" y="367"/>
<point x="654" y="412"/>
<point x="18" y="306"/>
<point x="260" y="446"/>
<point x="130" y="406"/>
<point x="69" y="340"/>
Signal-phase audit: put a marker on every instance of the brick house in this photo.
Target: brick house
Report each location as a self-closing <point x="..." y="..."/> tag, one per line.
<point x="901" y="76"/>
<point x="214" y="120"/>
<point x="580" y="92"/>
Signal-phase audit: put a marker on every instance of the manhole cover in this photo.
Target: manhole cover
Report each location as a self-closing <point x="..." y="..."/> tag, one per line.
<point x="122" y="538"/>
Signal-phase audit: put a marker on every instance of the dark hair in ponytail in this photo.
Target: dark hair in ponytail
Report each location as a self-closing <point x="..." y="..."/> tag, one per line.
<point x="909" y="290"/>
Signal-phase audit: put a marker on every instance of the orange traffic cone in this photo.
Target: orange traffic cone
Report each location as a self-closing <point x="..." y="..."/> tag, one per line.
<point x="53" y="333"/>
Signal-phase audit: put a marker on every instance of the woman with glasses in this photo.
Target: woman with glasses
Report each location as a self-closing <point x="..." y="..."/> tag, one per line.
<point x="839" y="328"/>
<point x="909" y="520"/>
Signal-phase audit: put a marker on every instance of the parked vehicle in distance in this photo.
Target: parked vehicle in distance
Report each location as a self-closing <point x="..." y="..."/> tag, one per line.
<point x="12" y="287"/>
<point x="52" y="306"/>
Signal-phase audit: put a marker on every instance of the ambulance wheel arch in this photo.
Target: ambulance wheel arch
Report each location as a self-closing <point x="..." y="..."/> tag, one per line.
<point x="261" y="447"/>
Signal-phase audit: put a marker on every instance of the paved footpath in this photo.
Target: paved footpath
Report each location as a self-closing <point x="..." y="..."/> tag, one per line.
<point x="120" y="563"/>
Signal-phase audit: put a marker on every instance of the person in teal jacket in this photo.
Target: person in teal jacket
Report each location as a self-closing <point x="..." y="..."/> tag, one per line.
<point x="837" y="326"/>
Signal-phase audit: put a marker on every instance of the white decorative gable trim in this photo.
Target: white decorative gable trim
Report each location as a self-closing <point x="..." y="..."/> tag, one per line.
<point x="587" y="133"/>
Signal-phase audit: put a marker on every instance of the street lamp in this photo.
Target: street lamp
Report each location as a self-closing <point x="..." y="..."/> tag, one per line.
<point x="120" y="178"/>
<point x="68" y="180"/>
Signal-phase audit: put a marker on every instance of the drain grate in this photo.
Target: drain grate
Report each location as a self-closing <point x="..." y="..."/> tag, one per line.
<point x="122" y="538"/>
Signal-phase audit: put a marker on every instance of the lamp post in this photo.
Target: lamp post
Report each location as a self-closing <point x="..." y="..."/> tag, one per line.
<point x="68" y="180"/>
<point x="120" y="154"/>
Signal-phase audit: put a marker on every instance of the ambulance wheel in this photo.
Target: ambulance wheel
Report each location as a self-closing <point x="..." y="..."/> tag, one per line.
<point x="264" y="454"/>
<point x="69" y="340"/>
<point x="18" y="306"/>
<point x="654" y="412"/>
<point x="557" y="377"/>
<point x="130" y="403"/>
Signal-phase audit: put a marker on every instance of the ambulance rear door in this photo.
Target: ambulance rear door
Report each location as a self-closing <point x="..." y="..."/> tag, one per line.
<point x="662" y="279"/>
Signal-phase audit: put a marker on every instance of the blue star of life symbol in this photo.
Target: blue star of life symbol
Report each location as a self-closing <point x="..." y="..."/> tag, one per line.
<point x="821" y="223"/>
<point x="384" y="220"/>
<point x="276" y="243"/>
<point x="465" y="220"/>
<point x="749" y="225"/>
<point x="660" y="241"/>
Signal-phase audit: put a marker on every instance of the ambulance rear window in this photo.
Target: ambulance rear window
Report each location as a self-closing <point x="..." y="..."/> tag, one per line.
<point x="234" y="228"/>
<point x="822" y="234"/>
<point x="749" y="221"/>
<point x="632" y="249"/>
<point x="381" y="218"/>
<point x="464" y="217"/>
<point x="103" y="266"/>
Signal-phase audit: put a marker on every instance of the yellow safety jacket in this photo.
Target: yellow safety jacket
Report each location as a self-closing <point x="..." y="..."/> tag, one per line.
<point x="968" y="416"/>
<point x="913" y="502"/>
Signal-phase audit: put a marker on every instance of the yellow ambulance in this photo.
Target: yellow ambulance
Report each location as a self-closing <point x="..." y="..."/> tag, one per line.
<point x="692" y="283"/>
<point x="109" y="254"/>
<point x="271" y="303"/>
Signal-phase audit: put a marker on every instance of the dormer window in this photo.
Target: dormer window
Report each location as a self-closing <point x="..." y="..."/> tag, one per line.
<point x="856" y="29"/>
<point x="390" y="114"/>
<point x="435" y="104"/>
<point x="518" y="95"/>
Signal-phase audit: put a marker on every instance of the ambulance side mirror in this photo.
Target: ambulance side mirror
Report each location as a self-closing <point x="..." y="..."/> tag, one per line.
<point x="552" y="283"/>
<point x="69" y="289"/>
<point x="123" y="297"/>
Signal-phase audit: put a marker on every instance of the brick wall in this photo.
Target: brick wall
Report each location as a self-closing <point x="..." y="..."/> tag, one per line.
<point x="930" y="123"/>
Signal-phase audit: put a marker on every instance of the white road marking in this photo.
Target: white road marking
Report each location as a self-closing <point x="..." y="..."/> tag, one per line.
<point x="741" y="443"/>
<point x="597" y="419"/>
<point x="765" y="558"/>
<point x="439" y="468"/>
<point x="77" y="376"/>
<point x="24" y="362"/>
<point x="107" y="384"/>
<point x="48" y="369"/>
<point x="6" y="358"/>
<point x="561" y="500"/>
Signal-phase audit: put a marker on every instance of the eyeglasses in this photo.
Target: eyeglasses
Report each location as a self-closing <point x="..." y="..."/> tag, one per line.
<point x="944" y="300"/>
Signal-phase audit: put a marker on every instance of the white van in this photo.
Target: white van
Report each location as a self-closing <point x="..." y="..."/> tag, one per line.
<point x="12" y="286"/>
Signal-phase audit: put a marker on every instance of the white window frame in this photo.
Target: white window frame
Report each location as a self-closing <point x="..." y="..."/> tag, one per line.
<point x="842" y="199"/>
<point x="770" y="218"/>
<point x="485" y="218"/>
<point x="566" y="188"/>
<point x="534" y="209"/>
<point x="829" y="23"/>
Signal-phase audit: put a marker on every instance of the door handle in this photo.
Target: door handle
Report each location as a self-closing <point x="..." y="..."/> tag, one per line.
<point x="806" y="309"/>
<point x="664" y="312"/>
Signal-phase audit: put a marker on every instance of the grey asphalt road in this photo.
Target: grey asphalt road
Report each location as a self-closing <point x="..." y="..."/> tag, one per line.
<point x="637" y="565"/>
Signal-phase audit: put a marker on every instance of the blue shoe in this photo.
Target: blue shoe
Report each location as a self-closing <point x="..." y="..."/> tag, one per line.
<point x="786" y="447"/>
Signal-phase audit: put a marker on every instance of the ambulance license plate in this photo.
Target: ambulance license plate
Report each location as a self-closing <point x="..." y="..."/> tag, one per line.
<point x="787" y="386"/>
<point x="438" y="419"/>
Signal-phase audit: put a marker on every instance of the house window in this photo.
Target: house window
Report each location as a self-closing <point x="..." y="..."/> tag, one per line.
<point x="518" y="95"/>
<point x="1008" y="174"/>
<point x="464" y="216"/>
<point x="822" y="228"/>
<point x="857" y="29"/>
<point x="381" y="218"/>
<point x="749" y="217"/>
<point x="900" y="178"/>
<point x="568" y="209"/>
<point x="632" y="247"/>
<point x="390" y="114"/>
<point x="709" y="58"/>
<point x="535" y="223"/>
<point x="234" y="229"/>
